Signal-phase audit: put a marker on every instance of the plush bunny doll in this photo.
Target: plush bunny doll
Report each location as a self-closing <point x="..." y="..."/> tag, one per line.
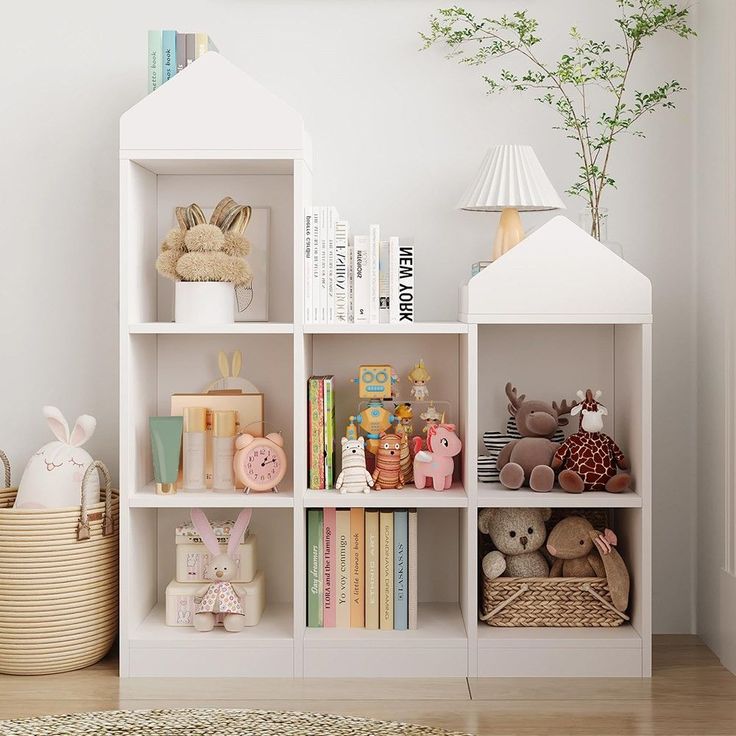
<point x="53" y="476"/>
<point x="220" y="596"/>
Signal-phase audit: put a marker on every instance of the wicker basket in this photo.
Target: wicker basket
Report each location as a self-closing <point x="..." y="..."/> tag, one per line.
<point x="58" y="582"/>
<point x="571" y="602"/>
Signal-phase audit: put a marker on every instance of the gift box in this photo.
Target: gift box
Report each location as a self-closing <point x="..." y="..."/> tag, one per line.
<point x="182" y="600"/>
<point x="192" y="559"/>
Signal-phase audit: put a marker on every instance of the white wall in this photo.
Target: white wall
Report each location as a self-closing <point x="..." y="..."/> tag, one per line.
<point x="397" y="135"/>
<point x="716" y="231"/>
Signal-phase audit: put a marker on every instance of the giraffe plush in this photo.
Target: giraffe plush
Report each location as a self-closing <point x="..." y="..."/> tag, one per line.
<point x="589" y="459"/>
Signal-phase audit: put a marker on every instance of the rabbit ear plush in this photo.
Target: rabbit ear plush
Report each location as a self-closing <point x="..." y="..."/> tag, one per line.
<point x="57" y="423"/>
<point x="202" y="525"/>
<point x="84" y="428"/>
<point x="237" y="363"/>
<point x="241" y="525"/>
<point x="224" y="366"/>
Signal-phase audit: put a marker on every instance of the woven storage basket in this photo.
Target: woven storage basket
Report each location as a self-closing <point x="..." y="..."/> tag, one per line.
<point x="570" y="602"/>
<point x="58" y="582"/>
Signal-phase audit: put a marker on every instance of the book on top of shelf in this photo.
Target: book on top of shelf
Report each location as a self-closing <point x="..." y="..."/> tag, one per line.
<point x="155" y="66"/>
<point x="374" y="246"/>
<point x="331" y="264"/>
<point x="393" y="259"/>
<point x="191" y="48"/>
<point x="341" y="283"/>
<point x="384" y="282"/>
<point x="308" y="275"/>
<point x="406" y="280"/>
<point x="361" y="280"/>
<point x="181" y="51"/>
<point x="168" y="54"/>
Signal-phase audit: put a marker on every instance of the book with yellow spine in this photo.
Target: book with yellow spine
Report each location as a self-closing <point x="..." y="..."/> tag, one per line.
<point x="357" y="581"/>
<point x="372" y="557"/>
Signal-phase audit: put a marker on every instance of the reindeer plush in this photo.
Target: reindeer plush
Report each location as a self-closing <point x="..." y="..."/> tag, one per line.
<point x="589" y="459"/>
<point x="527" y="461"/>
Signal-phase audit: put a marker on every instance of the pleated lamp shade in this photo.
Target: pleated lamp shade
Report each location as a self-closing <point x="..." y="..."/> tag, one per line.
<point x="511" y="176"/>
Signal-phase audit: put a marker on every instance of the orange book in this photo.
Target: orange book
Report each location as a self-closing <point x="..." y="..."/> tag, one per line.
<point x="357" y="562"/>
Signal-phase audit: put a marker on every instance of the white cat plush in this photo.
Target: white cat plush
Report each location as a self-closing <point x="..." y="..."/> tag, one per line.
<point x="53" y="476"/>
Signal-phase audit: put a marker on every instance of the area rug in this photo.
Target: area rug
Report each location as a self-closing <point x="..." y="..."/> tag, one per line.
<point x="210" y="722"/>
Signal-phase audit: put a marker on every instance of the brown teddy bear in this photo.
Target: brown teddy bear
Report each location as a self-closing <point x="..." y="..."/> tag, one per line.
<point x="527" y="461"/>
<point x="580" y="551"/>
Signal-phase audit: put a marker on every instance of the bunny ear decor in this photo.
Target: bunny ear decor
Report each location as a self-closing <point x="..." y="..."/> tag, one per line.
<point x="241" y="526"/>
<point x="231" y="380"/>
<point x="84" y="428"/>
<point x="202" y="525"/>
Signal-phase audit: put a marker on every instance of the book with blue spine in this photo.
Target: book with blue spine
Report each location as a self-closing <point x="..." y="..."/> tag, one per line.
<point x="155" y="68"/>
<point x="401" y="570"/>
<point x="168" y="54"/>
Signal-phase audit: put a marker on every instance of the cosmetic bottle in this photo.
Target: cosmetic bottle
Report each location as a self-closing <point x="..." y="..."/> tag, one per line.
<point x="166" y="449"/>
<point x="223" y="451"/>
<point x="195" y="425"/>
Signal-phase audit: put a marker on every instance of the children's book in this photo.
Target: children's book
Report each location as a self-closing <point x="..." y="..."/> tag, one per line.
<point x="316" y="429"/>
<point x="413" y="581"/>
<point x="314" y="568"/>
<point x="372" y="556"/>
<point x="329" y="427"/>
<point x="155" y="65"/>
<point x="168" y="47"/>
<point x="386" y="577"/>
<point x="401" y="570"/>
<point x="329" y="530"/>
<point x="343" y="568"/>
<point x="357" y="573"/>
<point x="181" y="51"/>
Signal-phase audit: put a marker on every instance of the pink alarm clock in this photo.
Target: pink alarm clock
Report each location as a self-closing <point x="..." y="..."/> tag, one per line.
<point x="260" y="462"/>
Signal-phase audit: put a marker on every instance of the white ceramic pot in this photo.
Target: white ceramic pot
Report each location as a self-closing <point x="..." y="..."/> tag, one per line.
<point x="204" y="302"/>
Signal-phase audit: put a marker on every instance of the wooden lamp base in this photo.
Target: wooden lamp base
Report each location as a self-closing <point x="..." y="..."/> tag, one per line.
<point x="510" y="232"/>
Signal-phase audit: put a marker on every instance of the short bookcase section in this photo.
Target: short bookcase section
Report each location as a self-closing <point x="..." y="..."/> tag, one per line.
<point x="438" y="647"/>
<point x="154" y="649"/>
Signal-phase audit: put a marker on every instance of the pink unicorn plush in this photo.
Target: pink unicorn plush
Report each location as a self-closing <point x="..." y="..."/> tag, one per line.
<point x="436" y="462"/>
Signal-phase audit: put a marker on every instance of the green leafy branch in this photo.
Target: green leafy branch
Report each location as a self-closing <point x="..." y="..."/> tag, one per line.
<point x="574" y="84"/>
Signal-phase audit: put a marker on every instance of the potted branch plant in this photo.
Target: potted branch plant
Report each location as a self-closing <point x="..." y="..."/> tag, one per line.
<point x="587" y="86"/>
<point x="207" y="261"/>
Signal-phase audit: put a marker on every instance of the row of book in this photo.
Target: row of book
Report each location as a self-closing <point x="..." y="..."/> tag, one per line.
<point x="358" y="278"/>
<point x="321" y="439"/>
<point x="362" y="568"/>
<point x="170" y="51"/>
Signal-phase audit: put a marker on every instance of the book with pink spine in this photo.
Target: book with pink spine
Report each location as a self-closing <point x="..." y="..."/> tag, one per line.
<point x="330" y="560"/>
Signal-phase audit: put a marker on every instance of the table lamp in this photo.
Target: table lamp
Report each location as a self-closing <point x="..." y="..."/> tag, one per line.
<point x="510" y="180"/>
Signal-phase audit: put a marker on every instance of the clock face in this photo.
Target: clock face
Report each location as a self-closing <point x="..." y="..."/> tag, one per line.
<point x="261" y="466"/>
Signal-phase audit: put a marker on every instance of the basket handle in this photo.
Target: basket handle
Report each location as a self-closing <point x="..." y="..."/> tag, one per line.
<point x="107" y="524"/>
<point x="486" y="616"/>
<point x="586" y="587"/>
<point x="6" y="465"/>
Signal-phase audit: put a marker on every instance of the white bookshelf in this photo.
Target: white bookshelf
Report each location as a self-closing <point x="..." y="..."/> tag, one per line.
<point x="262" y="156"/>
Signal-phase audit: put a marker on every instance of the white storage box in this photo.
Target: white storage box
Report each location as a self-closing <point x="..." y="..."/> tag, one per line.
<point x="181" y="605"/>
<point x="192" y="559"/>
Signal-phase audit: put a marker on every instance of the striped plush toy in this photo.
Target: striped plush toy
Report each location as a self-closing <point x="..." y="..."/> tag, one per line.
<point x="388" y="473"/>
<point x="353" y="478"/>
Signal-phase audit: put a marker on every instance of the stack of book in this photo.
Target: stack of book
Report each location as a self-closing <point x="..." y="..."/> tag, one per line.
<point x="362" y="568"/>
<point x="170" y="51"/>
<point x="360" y="279"/>
<point x="321" y="438"/>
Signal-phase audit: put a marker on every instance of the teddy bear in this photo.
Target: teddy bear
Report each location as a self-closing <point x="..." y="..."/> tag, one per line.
<point x="388" y="473"/>
<point x="353" y="478"/>
<point x="527" y="461"/>
<point x="518" y="535"/>
<point x="580" y="551"/>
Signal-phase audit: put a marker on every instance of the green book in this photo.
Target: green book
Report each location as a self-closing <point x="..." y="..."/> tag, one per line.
<point x="329" y="421"/>
<point x="315" y="557"/>
<point x="155" y="61"/>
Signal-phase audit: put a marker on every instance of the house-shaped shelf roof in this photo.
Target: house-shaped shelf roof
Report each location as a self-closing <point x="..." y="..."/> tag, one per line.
<point x="558" y="274"/>
<point x="213" y="107"/>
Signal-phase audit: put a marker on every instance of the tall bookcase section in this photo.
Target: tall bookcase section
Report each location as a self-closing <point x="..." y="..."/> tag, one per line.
<point x="561" y="312"/>
<point x="211" y="131"/>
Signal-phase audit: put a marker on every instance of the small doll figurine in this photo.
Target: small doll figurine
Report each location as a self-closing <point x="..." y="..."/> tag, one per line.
<point x="388" y="472"/>
<point x="419" y="378"/>
<point x="405" y="430"/>
<point x="353" y="478"/>
<point x="220" y="596"/>
<point x="431" y="417"/>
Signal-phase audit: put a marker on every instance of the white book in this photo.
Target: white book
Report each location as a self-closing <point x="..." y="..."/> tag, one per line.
<point x="406" y="280"/>
<point x="384" y="282"/>
<point x="308" y="314"/>
<point x="322" y="265"/>
<point x="393" y="259"/>
<point x="331" y="272"/>
<point x="413" y="569"/>
<point x="341" y="286"/>
<point x="316" y="255"/>
<point x="351" y="280"/>
<point x="374" y="240"/>
<point x="361" y="279"/>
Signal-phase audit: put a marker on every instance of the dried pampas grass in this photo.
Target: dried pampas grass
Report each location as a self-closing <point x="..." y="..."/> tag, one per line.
<point x="213" y="267"/>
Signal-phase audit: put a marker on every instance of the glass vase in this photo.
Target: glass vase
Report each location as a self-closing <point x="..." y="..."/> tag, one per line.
<point x="595" y="222"/>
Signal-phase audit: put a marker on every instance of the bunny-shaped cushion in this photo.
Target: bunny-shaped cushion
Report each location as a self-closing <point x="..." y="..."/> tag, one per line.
<point x="53" y="476"/>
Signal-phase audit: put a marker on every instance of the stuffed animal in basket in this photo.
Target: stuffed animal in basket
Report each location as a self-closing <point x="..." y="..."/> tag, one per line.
<point x="589" y="459"/>
<point x="528" y="461"/>
<point x="518" y="535"/>
<point x="220" y="596"/>
<point x="353" y="478"/>
<point x="580" y="551"/>
<point x="436" y="462"/>
<point x="53" y="476"/>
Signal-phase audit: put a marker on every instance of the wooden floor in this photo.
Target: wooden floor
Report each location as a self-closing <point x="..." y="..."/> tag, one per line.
<point x="690" y="693"/>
